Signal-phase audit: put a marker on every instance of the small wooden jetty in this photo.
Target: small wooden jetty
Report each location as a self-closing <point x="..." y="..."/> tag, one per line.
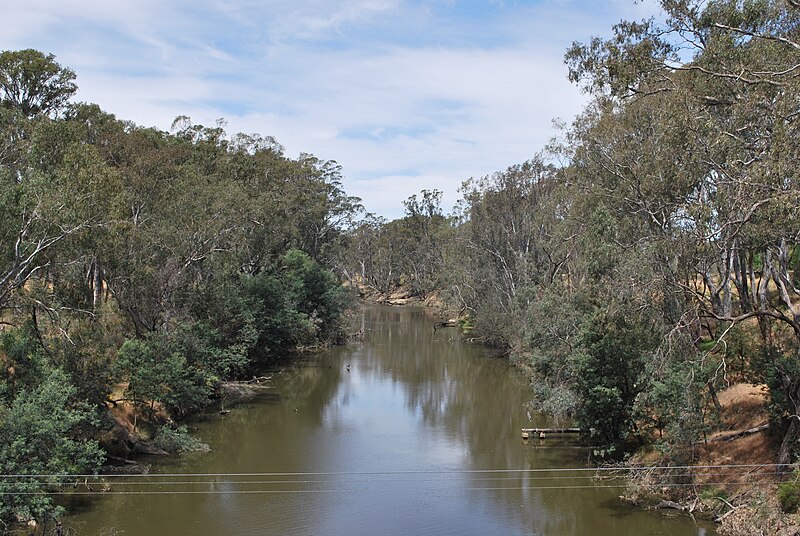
<point x="444" y="324"/>
<point x="541" y="433"/>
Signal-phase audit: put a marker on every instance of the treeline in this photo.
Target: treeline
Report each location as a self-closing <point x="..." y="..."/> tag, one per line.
<point x="650" y="256"/>
<point x="149" y="264"/>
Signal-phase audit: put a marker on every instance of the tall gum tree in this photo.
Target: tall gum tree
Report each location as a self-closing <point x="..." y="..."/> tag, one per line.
<point x="725" y="73"/>
<point x="34" y="83"/>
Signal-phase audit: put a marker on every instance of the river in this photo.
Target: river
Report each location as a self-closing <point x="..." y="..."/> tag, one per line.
<point x="410" y="432"/>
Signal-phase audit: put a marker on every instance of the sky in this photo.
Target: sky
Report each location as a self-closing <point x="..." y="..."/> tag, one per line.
<point x="404" y="94"/>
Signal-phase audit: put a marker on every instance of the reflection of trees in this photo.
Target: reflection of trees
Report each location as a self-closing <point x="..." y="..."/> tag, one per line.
<point x="313" y="384"/>
<point x="476" y="401"/>
<point x="479" y="402"/>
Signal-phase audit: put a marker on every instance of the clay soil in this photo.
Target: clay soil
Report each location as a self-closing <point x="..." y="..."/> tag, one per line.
<point x="751" y="491"/>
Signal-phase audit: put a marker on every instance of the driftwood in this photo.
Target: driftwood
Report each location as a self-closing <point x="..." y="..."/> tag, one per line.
<point x="542" y="432"/>
<point x="258" y="380"/>
<point x="145" y="447"/>
<point x="670" y="504"/>
<point x="737" y="435"/>
<point x="121" y="460"/>
<point x="234" y="392"/>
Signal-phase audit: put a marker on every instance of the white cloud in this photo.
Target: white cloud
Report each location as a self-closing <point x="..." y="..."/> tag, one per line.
<point x="401" y="96"/>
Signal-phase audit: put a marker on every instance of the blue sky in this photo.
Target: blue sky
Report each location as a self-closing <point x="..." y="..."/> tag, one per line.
<point x="404" y="94"/>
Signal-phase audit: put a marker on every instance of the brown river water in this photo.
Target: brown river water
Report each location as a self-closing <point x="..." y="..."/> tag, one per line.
<point x="411" y="432"/>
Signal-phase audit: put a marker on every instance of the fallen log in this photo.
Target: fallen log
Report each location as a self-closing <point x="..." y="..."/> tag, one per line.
<point x="257" y="380"/>
<point x="737" y="435"/>
<point x="670" y="504"/>
<point x="121" y="460"/>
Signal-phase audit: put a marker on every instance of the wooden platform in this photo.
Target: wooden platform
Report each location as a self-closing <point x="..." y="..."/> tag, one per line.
<point x="542" y="432"/>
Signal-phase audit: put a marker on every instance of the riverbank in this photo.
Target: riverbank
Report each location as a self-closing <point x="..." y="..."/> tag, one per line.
<point x="399" y="295"/>
<point x="733" y="476"/>
<point x="130" y="432"/>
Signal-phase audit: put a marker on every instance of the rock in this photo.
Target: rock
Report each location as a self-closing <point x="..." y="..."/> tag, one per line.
<point x="669" y="504"/>
<point x="145" y="447"/>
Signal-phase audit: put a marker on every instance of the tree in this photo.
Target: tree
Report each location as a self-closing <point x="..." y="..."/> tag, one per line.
<point x="172" y="261"/>
<point x="505" y="243"/>
<point x="41" y="433"/>
<point x="712" y="94"/>
<point x="34" y="82"/>
<point x="612" y="356"/>
<point x="158" y="373"/>
<point x="53" y="190"/>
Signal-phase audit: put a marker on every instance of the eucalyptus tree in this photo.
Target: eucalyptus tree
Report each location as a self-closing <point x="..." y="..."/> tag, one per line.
<point x="419" y="241"/>
<point x="407" y="251"/>
<point x="369" y="263"/>
<point x="507" y="222"/>
<point x="693" y="135"/>
<point x="54" y="189"/>
<point x="34" y="83"/>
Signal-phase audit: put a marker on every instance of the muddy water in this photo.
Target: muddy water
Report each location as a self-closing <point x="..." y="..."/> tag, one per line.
<point x="410" y="432"/>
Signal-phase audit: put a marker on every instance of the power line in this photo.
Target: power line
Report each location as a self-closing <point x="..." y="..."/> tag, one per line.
<point x="408" y="472"/>
<point x="363" y="490"/>
<point x="100" y="479"/>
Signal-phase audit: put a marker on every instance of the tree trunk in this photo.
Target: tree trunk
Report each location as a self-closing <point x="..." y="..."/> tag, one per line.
<point x="97" y="286"/>
<point x="715" y="399"/>
<point x="792" y="434"/>
<point x="787" y="445"/>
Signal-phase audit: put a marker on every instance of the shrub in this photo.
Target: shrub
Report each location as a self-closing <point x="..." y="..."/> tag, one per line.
<point x="789" y="494"/>
<point x="177" y="440"/>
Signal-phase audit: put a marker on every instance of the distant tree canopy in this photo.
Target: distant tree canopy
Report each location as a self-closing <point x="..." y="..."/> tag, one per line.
<point x="34" y="83"/>
<point x="658" y="261"/>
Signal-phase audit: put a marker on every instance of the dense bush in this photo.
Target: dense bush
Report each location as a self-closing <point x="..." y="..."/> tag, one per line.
<point x="789" y="494"/>
<point x="43" y="431"/>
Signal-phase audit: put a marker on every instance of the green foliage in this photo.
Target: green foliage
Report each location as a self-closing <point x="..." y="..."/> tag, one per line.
<point x="675" y="405"/>
<point x="220" y="357"/>
<point x="157" y="372"/>
<point x="34" y="82"/>
<point x="465" y="325"/>
<point x="610" y="373"/>
<point x="259" y="317"/>
<point x="170" y="260"/>
<point x="176" y="440"/>
<point x="554" y="398"/>
<point x="23" y="360"/>
<point x="789" y="494"/>
<point x="88" y="357"/>
<point x="712" y="492"/>
<point x="780" y="372"/>
<point x="297" y="302"/>
<point x="553" y="341"/>
<point x="42" y="432"/>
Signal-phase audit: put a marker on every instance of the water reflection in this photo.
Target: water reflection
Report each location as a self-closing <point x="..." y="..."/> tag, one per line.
<point x="410" y="432"/>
